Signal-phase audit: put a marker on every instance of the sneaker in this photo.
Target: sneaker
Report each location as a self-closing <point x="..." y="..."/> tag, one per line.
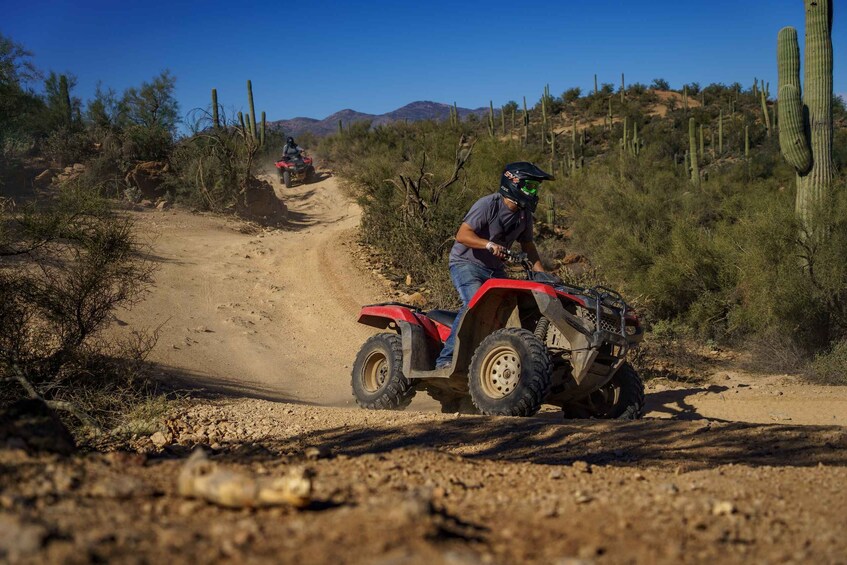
<point x="443" y="370"/>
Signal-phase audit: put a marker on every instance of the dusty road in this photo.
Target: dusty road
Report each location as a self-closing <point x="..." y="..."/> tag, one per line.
<point x="744" y="468"/>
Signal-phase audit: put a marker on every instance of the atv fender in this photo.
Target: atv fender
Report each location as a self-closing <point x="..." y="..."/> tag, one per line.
<point x="494" y="304"/>
<point x="490" y="310"/>
<point x="420" y="339"/>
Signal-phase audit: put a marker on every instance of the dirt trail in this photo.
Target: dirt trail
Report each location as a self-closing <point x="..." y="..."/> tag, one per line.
<point x="272" y="314"/>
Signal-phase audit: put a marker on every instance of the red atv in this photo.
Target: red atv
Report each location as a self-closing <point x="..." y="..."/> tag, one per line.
<point x="520" y="344"/>
<point x="295" y="168"/>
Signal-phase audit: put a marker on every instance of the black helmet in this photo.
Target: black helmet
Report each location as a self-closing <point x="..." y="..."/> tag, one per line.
<point x="290" y="141"/>
<point x="520" y="181"/>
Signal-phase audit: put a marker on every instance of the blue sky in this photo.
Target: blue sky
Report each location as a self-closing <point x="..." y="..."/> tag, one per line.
<point x="314" y="58"/>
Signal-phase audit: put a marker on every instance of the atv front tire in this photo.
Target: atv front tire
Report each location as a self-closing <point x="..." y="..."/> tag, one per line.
<point x="622" y="398"/>
<point x="510" y="373"/>
<point x="310" y="175"/>
<point x="378" y="380"/>
<point x="286" y="179"/>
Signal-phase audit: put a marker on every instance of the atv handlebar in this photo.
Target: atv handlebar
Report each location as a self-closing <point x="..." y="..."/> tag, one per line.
<point x="517" y="257"/>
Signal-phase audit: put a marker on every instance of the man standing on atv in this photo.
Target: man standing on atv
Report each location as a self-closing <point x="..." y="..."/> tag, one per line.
<point x="291" y="149"/>
<point x="490" y="228"/>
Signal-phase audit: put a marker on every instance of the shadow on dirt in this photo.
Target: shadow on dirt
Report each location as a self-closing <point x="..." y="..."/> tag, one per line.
<point x="661" y="443"/>
<point x="207" y="387"/>
<point x="673" y="402"/>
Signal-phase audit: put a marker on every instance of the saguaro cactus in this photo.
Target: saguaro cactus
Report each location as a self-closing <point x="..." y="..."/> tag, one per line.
<point x="491" y="118"/>
<point x="551" y="210"/>
<point x="215" y="118"/>
<point x="262" y="131"/>
<point x="805" y="126"/>
<point x="65" y="93"/>
<point x="252" y="109"/>
<point x="766" y="117"/>
<point x="241" y="122"/>
<point x="692" y="151"/>
<point x="623" y="88"/>
<point x="525" y="123"/>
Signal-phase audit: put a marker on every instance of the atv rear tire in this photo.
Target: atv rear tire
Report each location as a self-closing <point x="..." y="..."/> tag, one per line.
<point x="622" y="398"/>
<point x="510" y="373"/>
<point x="286" y="179"/>
<point x="310" y="175"/>
<point x="378" y="380"/>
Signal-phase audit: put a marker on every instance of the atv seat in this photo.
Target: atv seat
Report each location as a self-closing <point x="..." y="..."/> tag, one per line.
<point x="445" y="317"/>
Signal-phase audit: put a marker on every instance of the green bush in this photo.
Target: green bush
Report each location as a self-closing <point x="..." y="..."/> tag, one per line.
<point x="830" y="368"/>
<point x="65" y="266"/>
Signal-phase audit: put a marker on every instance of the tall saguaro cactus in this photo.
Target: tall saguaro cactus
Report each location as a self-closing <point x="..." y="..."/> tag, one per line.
<point x="491" y="118"/>
<point x="692" y="151"/>
<point x="65" y="93"/>
<point x="252" y="123"/>
<point x="215" y="118"/>
<point x="525" y="123"/>
<point x="805" y="125"/>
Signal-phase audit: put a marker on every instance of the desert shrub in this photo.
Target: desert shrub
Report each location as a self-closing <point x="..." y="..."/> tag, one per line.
<point x="65" y="266"/>
<point x="211" y="167"/>
<point x="660" y="84"/>
<point x="830" y="367"/>
<point x="65" y="146"/>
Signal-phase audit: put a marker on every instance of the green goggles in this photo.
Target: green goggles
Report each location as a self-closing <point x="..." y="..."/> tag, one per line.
<point x="530" y="187"/>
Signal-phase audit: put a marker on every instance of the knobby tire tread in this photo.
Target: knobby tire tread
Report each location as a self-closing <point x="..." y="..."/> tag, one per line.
<point x="399" y="391"/>
<point x="528" y="397"/>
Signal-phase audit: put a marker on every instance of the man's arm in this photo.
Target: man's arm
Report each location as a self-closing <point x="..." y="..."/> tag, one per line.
<point x="529" y="248"/>
<point x="467" y="237"/>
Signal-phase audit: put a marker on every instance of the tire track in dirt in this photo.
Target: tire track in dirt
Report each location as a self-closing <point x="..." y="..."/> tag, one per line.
<point x="265" y="313"/>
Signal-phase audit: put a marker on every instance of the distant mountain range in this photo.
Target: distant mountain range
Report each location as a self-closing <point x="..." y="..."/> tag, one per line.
<point x="416" y="111"/>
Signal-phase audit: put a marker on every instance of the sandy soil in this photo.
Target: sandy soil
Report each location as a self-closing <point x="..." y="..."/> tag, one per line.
<point x="743" y="468"/>
<point x="260" y="312"/>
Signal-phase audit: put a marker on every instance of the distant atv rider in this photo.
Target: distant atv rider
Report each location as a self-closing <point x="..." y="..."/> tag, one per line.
<point x="491" y="226"/>
<point x="291" y="149"/>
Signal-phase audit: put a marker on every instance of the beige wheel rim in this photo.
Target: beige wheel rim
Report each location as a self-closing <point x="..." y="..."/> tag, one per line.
<point x="501" y="371"/>
<point x="375" y="372"/>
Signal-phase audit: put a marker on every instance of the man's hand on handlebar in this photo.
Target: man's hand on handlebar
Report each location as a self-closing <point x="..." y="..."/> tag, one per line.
<point x="516" y="257"/>
<point x="497" y="250"/>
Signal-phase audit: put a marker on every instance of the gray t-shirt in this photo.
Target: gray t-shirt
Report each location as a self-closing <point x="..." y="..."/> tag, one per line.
<point x="491" y="219"/>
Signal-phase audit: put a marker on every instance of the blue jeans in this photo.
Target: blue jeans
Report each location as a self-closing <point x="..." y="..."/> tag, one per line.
<point x="467" y="278"/>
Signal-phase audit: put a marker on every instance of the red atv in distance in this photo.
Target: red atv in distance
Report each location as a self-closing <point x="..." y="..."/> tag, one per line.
<point x="295" y="168"/>
<point x="520" y="344"/>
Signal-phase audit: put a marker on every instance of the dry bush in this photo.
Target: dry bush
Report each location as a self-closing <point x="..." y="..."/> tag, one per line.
<point x="65" y="266"/>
